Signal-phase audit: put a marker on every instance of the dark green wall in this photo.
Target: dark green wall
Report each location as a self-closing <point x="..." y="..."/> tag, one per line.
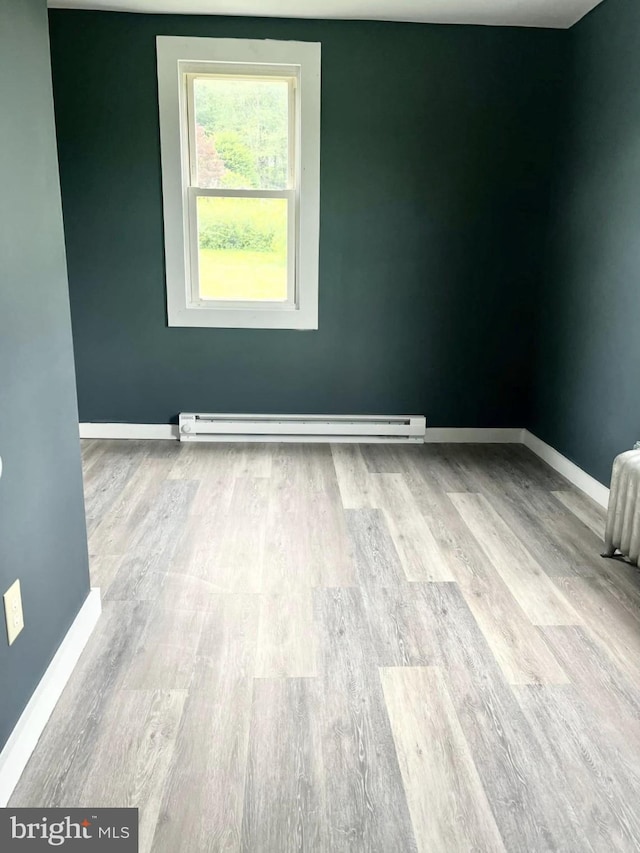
<point x="436" y="150"/>
<point x="42" y="527"/>
<point x="586" y="390"/>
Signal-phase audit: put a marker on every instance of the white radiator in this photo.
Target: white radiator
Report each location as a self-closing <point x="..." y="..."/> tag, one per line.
<point x="391" y="429"/>
<point x="623" y="519"/>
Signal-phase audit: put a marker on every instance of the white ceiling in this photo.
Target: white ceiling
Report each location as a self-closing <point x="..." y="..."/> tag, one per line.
<point x="517" y="13"/>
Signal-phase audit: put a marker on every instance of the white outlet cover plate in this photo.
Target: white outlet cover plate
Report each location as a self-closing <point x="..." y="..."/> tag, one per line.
<point x="13" y="611"/>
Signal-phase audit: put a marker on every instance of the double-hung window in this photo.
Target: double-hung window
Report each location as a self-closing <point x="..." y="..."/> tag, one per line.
<point x="240" y="143"/>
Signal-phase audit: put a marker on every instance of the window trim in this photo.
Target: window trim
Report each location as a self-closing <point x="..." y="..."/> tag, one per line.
<point x="177" y="57"/>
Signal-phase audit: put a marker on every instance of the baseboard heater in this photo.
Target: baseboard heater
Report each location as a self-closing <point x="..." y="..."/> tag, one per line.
<point x="389" y="429"/>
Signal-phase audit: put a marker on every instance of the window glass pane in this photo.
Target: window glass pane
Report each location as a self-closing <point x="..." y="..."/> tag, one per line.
<point x="241" y="132"/>
<point x="242" y="248"/>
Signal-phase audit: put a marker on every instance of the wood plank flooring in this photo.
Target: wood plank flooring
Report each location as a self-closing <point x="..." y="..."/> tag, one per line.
<point x="350" y="648"/>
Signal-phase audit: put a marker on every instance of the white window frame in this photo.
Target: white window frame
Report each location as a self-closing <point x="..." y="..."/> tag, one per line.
<point x="179" y="60"/>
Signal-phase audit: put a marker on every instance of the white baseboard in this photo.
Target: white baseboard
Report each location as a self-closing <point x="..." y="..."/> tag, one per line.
<point x="434" y="434"/>
<point x="25" y="735"/>
<point x="579" y="478"/>
<point x="469" y="435"/>
<point x="152" y="431"/>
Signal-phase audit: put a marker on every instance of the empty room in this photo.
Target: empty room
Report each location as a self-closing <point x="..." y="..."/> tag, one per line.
<point x="320" y="425"/>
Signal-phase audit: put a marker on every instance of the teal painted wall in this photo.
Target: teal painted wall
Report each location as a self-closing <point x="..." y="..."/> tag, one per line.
<point x="437" y="145"/>
<point x="42" y="527"/>
<point x="586" y="384"/>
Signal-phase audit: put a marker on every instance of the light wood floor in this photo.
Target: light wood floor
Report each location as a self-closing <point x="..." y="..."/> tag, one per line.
<point x="350" y="649"/>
